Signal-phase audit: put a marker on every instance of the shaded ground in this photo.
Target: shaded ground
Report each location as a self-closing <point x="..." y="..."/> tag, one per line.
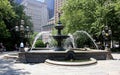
<point x="7" y="67"/>
<point x="103" y="67"/>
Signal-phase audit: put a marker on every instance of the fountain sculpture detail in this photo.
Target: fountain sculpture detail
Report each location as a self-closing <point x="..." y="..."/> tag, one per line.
<point x="59" y="37"/>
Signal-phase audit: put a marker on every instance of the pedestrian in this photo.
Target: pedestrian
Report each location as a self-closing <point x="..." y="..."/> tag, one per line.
<point x="22" y="47"/>
<point x="1" y="47"/>
<point x="16" y="47"/>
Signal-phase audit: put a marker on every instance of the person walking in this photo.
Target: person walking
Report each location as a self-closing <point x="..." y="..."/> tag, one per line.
<point x="22" y="47"/>
<point x="1" y="47"/>
<point x="16" y="47"/>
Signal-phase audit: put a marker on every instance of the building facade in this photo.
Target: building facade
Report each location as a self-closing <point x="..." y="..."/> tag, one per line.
<point x="50" y="6"/>
<point x="50" y="25"/>
<point x="57" y="8"/>
<point x="38" y="12"/>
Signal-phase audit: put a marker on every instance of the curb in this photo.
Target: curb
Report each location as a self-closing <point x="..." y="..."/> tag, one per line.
<point x="92" y="61"/>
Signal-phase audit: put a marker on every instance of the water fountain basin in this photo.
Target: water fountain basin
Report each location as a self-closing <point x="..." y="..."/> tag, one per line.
<point x="39" y="56"/>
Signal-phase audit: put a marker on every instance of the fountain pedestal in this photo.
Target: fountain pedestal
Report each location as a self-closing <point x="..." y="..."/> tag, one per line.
<point x="59" y="37"/>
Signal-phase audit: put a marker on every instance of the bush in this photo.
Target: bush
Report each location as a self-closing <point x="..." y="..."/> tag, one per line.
<point x="39" y="43"/>
<point x="81" y="39"/>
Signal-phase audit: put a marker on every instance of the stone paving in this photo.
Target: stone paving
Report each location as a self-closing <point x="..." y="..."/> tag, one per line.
<point x="103" y="67"/>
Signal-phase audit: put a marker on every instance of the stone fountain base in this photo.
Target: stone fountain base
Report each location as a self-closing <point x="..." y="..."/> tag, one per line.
<point x="41" y="55"/>
<point x="63" y="63"/>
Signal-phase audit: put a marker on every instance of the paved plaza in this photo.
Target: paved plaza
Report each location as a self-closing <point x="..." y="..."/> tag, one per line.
<point x="9" y="66"/>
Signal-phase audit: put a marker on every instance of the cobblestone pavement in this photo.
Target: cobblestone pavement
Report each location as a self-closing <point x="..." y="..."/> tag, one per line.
<point x="103" y="67"/>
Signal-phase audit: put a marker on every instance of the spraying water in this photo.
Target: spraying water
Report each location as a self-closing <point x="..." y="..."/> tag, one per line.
<point x="70" y="36"/>
<point x="51" y="42"/>
<point x="38" y="35"/>
<point x="89" y="37"/>
<point x="72" y="40"/>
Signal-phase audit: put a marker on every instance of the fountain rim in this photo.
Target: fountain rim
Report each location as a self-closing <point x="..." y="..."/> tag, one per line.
<point x="61" y="63"/>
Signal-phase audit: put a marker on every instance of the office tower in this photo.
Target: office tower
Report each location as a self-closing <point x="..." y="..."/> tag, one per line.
<point x="50" y="6"/>
<point x="58" y="4"/>
<point x="38" y="12"/>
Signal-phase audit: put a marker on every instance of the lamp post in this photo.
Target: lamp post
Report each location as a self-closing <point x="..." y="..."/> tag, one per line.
<point x="22" y="31"/>
<point x="107" y="37"/>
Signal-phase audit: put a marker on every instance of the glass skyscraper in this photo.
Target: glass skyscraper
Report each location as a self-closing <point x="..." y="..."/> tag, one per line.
<point x="50" y="6"/>
<point x="18" y="1"/>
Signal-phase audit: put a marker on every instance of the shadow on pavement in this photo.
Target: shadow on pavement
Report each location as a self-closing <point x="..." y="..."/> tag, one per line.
<point x="7" y="68"/>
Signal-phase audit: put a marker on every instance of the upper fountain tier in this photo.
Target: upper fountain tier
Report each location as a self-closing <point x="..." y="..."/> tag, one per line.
<point x="59" y="37"/>
<point x="59" y="26"/>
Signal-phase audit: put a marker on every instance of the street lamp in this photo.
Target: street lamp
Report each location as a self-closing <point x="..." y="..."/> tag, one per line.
<point x="22" y="29"/>
<point x="107" y="35"/>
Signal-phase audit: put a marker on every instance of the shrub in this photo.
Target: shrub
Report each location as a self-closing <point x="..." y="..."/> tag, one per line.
<point x="39" y="43"/>
<point x="81" y="39"/>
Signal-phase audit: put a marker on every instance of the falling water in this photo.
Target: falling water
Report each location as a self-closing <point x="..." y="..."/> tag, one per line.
<point x="89" y="37"/>
<point x="37" y="36"/>
<point x="51" y="42"/>
<point x="70" y="36"/>
<point x="72" y="40"/>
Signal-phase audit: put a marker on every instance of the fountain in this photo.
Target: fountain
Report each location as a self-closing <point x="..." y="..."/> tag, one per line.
<point x="59" y="37"/>
<point x="60" y="53"/>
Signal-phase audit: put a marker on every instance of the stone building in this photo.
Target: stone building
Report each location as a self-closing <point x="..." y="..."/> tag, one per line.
<point x="57" y="7"/>
<point x="38" y="12"/>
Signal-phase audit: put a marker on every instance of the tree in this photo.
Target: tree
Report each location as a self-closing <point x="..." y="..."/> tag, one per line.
<point x="10" y="16"/>
<point x="3" y="31"/>
<point x="6" y="12"/>
<point x="79" y="15"/>
<point x="114" y="20"/>
<point x="20" y="15"/>
<point x="92" y="16"/>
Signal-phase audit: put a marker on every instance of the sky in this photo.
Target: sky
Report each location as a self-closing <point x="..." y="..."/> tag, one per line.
<point x="41" y="0"/>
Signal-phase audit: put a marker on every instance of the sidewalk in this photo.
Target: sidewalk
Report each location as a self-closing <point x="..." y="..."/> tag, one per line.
<point x="103" y="67"/>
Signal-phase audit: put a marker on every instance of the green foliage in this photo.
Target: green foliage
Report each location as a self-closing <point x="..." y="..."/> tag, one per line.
<point x="91" y="16"/>
<point x="20" y="15"/>
<point x="3" y="31"/>
<point x="39" y="43"/>
<point x="81" y="40"/>
<point x="6" y="12"/>
<point x="114" y="20"/>
<point x="10" y="16"/>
